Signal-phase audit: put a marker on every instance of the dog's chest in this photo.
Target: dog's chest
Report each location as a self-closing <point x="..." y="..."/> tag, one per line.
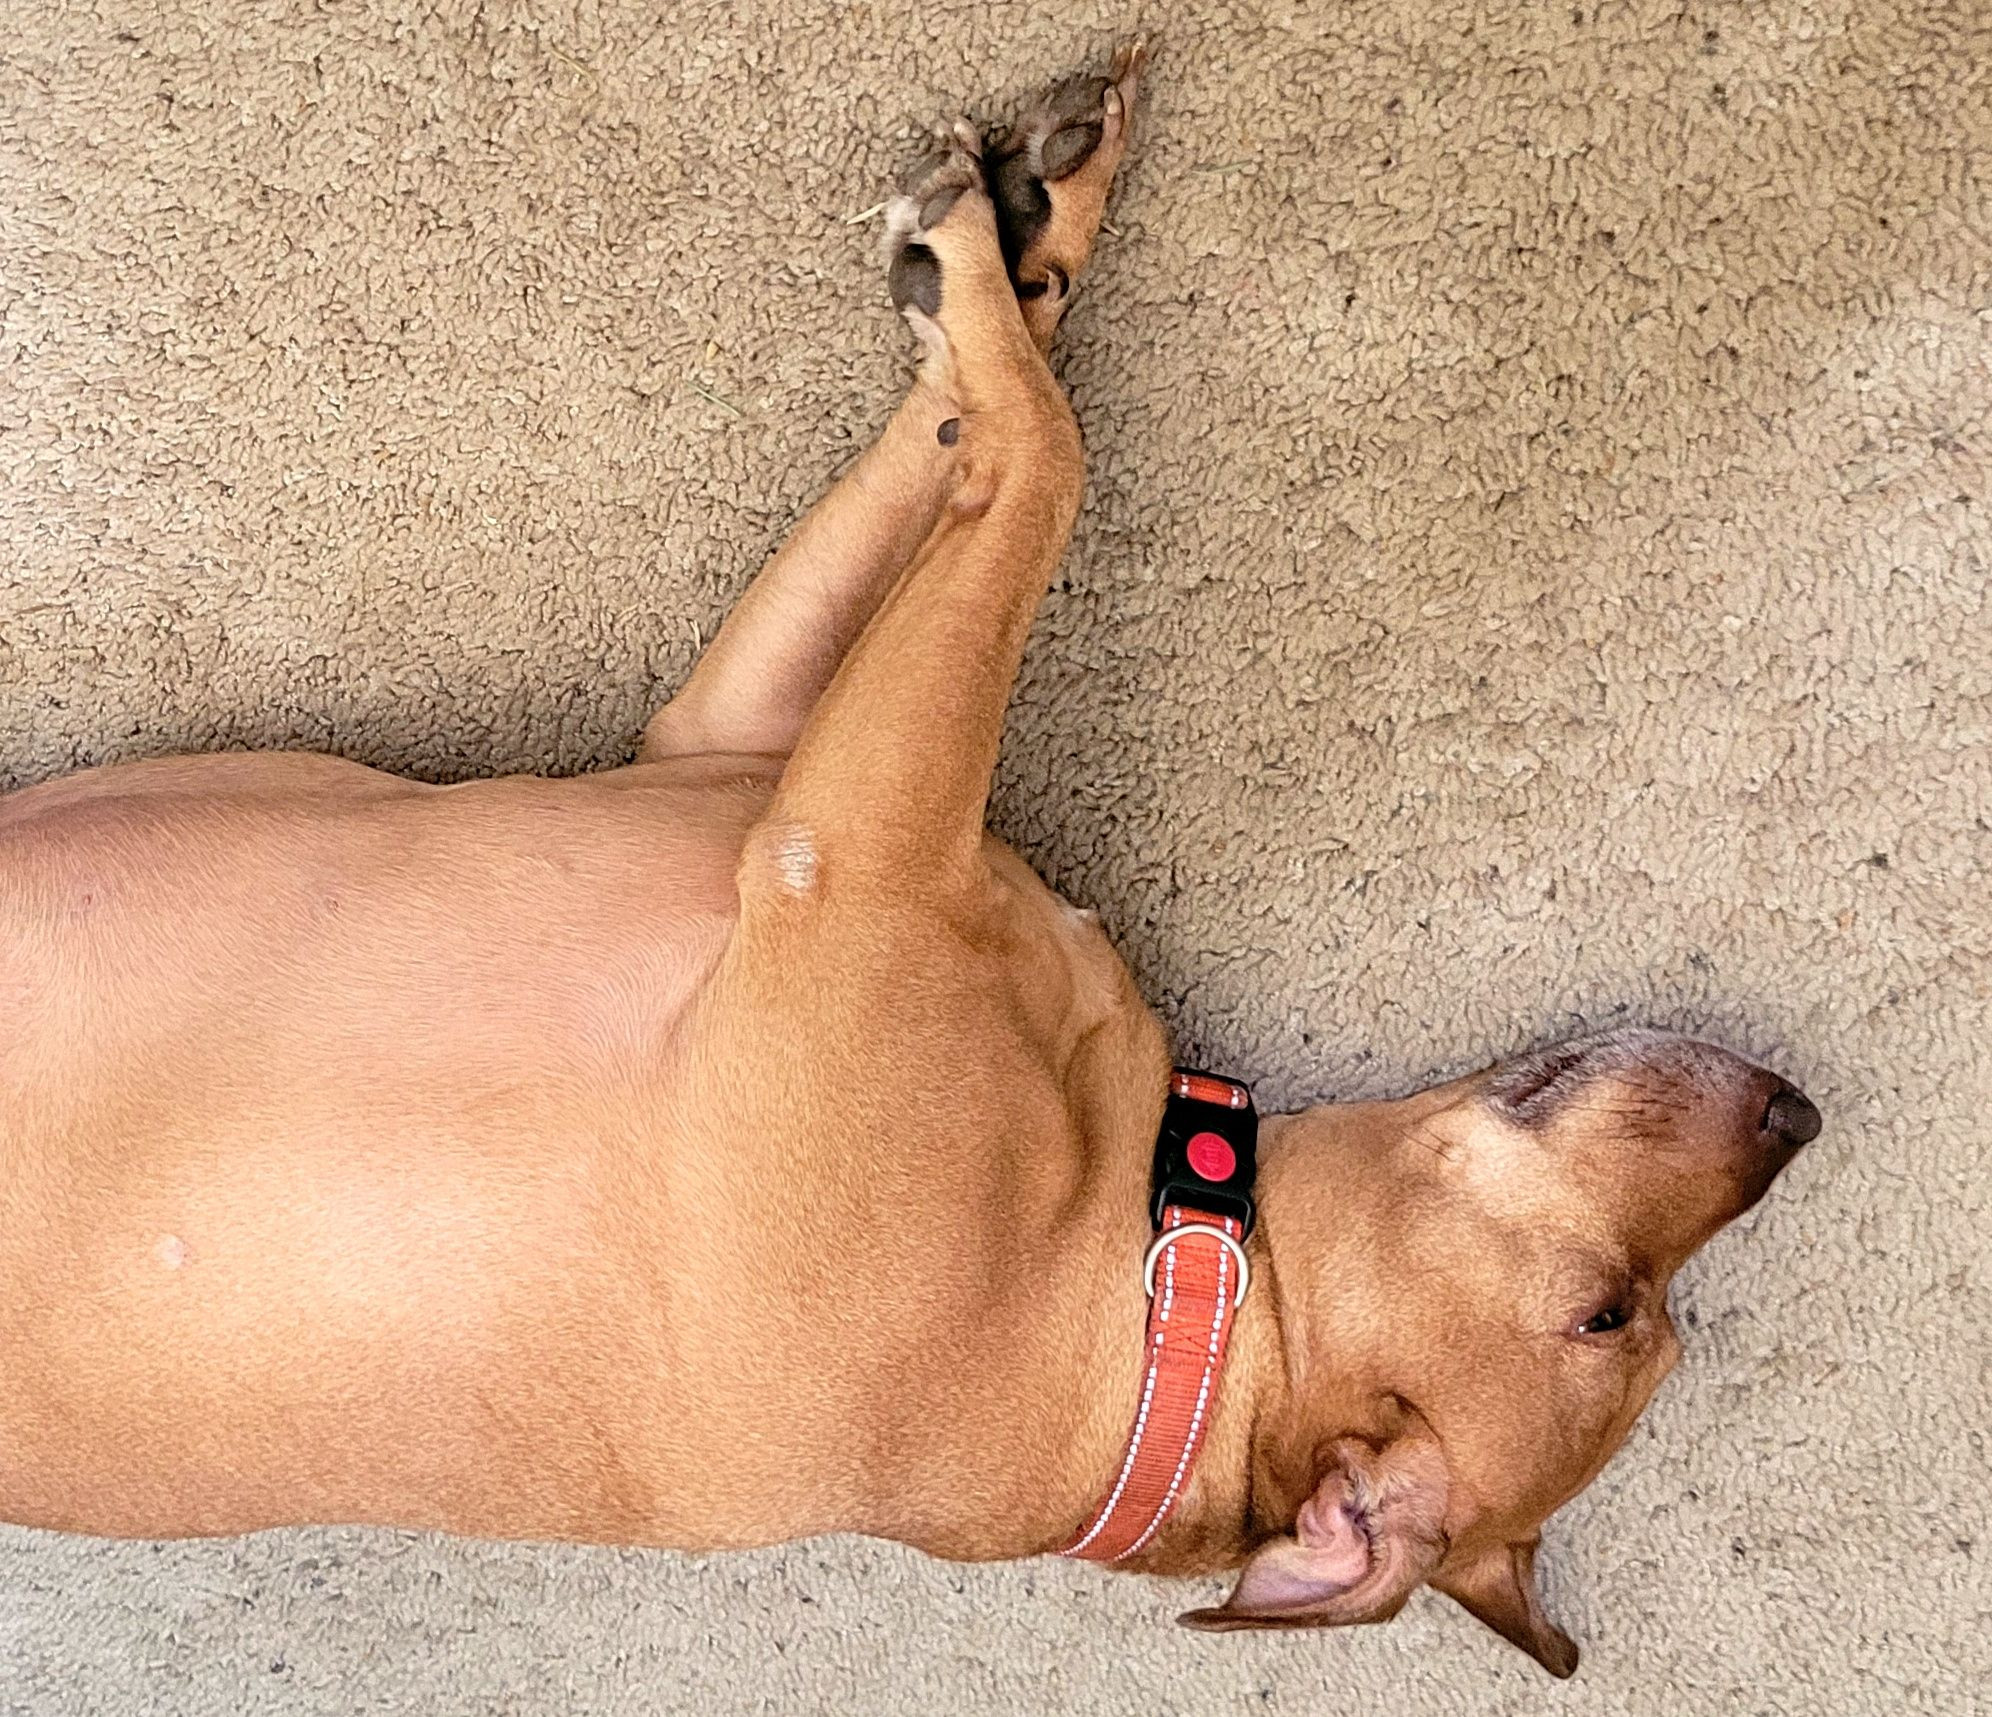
<point x="1064" y="978"/>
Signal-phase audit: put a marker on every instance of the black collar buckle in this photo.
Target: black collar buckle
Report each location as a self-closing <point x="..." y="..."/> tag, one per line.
<point x="1207" y="1152"/>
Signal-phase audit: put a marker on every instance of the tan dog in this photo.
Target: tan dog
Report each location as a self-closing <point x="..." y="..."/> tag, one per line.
<point x="742" y="1145"/>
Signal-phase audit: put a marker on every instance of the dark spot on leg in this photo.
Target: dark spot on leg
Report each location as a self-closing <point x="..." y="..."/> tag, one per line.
<point x="915" y="279"/>
<point x="949" y="432"/>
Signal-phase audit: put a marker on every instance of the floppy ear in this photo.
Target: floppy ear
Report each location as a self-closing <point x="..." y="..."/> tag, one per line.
<point x="1364" y="1542"/>
<point x="1498" y="1585"/>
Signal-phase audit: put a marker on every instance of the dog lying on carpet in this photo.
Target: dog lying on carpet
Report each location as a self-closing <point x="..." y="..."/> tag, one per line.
<point x="744" y="1145"/>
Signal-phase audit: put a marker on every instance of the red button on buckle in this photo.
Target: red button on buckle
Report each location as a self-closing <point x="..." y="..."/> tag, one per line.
<point x="1211" y="1155"/>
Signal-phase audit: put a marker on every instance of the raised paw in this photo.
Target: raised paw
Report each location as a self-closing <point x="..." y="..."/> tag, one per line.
<point x="1050" y="176"/>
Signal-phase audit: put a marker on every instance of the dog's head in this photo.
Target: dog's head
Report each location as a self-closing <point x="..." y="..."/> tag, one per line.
<point x="1473" y="1304"/>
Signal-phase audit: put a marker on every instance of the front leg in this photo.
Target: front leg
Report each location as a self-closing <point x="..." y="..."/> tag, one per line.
<point x="758" y="680"/>
<point x="890" y="775"/>
<point x="755" y="687"/>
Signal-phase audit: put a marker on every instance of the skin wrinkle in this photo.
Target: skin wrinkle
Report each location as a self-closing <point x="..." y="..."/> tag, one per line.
<point x="1254" y="1525"/>
<point x="1566" y="1079"/>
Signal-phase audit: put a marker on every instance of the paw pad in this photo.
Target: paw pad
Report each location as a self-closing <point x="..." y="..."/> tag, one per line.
<point x="928" y="193"/>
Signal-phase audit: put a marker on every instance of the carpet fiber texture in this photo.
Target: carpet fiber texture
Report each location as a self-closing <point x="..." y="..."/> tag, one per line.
<point x="1533" y="577"/>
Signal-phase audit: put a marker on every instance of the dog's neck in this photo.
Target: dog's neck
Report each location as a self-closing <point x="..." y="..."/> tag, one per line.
<point x="1279" y="1402"/>
<point x="1054" y="1397"/>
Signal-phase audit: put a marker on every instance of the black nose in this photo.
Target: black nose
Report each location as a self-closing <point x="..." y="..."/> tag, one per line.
<point x="1792" y="1117"/>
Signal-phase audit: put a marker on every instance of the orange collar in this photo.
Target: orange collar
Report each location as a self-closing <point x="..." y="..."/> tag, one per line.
<point x="1196" y="1273"/>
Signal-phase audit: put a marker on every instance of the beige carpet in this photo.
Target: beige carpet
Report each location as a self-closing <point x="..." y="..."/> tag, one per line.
<point x="1533" y="576"/>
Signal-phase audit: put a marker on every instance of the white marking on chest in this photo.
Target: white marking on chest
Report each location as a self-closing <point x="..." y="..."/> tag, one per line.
<point x="795" y="861"/>
<point x="171" y="1251"/>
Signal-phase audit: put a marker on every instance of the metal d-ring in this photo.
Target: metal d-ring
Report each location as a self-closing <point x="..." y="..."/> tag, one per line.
<point x="1170" y="1235"/>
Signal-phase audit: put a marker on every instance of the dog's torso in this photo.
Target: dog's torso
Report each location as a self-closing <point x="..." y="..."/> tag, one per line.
<point x="458" y="1147"/>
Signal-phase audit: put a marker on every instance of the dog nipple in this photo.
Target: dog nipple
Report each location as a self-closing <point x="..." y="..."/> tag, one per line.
<point x="171" y="1251"/>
